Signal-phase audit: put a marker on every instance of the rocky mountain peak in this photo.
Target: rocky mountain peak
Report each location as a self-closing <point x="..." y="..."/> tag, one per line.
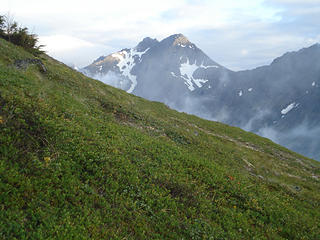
<point x="180" y="39"/>
<point x="175" y="40"/>
<point x="99" y="59"/>
<point x="146" y="43"/>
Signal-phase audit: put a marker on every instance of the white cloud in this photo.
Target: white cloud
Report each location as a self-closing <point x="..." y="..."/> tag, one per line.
<point x="244" y="52"/>
<point x="303" y="2"/>
<point x="63" y="43"/>
<point x="227" y="30"/>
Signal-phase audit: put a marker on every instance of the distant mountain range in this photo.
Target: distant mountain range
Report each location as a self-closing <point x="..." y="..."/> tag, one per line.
<point x="279" y="101"/>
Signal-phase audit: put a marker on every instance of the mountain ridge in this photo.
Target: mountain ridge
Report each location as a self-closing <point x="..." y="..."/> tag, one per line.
<point x="174" y="42"/>
<point x="185" y="78"/>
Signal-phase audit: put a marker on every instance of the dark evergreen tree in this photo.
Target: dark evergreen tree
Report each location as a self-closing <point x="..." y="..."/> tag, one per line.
<point x="20" y="36"/>
<point x="1" y="26"/>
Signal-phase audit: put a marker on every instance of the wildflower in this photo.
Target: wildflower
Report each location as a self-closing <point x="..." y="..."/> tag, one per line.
<point x="1" y="120"/>
<point x="47" y="160"/>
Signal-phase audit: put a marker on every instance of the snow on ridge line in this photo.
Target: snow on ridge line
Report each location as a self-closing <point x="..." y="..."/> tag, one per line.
<point x="135" y="52"/>
<point x="118" y="55"/>
<point x="289" y="108"/>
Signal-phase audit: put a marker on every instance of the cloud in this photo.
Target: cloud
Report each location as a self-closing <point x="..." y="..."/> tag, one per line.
<point x="63" y="43"/>
<point x="72" y="50"/>
<point x="302" y="139"/>
<point x="223" y="29"/>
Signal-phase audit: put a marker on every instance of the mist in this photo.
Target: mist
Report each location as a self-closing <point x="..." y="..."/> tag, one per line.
<point x="302" y="139"/>
<point x="113" y="79"/>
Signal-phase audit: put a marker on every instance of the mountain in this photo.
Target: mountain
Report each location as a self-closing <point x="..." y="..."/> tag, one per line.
<point x="82" y="160"/>
<point x="167" y="71"/>
<point x="276" y="101"/>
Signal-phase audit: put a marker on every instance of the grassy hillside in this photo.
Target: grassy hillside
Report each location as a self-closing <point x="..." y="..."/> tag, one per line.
<point x="82" y="160"/>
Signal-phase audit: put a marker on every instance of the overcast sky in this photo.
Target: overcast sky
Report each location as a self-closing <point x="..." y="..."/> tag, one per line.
<point x="239" y="34"/>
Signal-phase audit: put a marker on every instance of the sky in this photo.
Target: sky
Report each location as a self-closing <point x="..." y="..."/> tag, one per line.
<point x="238" y="34"/>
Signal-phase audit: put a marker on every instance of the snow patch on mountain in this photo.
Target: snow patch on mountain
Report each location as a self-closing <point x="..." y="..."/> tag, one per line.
<point x="186" y="46"/>
<point x="126" y="64"/>
<point x="117" y="55"/>
<point x="187" y="70"/>
<point x="189" y="83"/>
<point x="199" y="82"/>
<point x="211" y="66"/>
<point x="289" y="108"/>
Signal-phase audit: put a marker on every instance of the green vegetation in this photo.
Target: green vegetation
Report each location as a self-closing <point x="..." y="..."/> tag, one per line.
<point x="10" y="31"/>
<point x="82" y="160"/>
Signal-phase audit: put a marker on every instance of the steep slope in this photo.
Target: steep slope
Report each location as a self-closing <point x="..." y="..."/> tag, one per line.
<point x="277" y="101"/>
<point x="83" y="160"/>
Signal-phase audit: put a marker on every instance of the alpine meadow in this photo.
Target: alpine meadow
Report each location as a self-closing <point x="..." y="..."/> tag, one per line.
<point x="83" y="160"/>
